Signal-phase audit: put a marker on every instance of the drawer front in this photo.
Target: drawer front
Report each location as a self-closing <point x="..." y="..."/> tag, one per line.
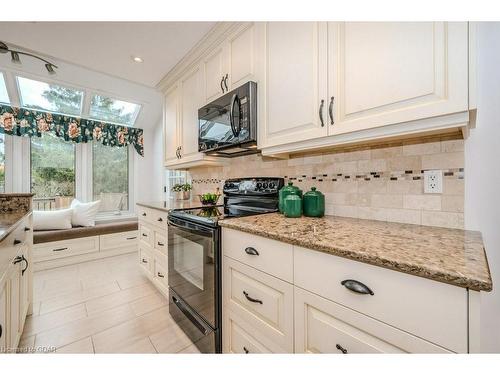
<point x="152" y="216"/>
<point x="119" y="240"/>
<point x="145" y="260"/>
<point x="323" y="326"/>
<point x="62" y="249"/>
<point x="160" y="273"/>
<point x="240" y="341"/>
<point x="274" y="257"/>
<point x="146" y="234"/>
<point x="143" y="213"/>
<point x="435" y="311"/>
<point x="160" y="242"/>
<point x="264" y="301"/>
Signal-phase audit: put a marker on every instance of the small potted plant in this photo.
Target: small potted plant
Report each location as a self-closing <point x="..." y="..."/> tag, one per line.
<point x="182" y="191"/>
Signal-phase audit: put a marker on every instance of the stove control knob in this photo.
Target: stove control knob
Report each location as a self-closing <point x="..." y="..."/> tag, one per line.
<point x="272" y="185"/>
<point x="259" y="186"/>
<point x="264" y="185"/>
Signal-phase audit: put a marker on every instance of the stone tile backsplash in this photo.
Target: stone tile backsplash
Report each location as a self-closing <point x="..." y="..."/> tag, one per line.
<point x="380" y="183"/>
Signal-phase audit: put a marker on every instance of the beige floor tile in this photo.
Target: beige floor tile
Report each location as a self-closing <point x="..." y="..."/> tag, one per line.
<point x="36" y="308"/>
<point x="191" y="349"/>
<point x="75" y="298"/>
<point x="127" y="281"/>
<point x="119" y="298"/>
<point x="83" y="346"/>
<point x="89" y="282"/>
<point x="141" y="346"/>
<point x="55" y="288"/>
<point x="40" y="323"/>
<point x="123" y="335"/>
<point x="148" y="303"/>
<point x="77" y="330"/>
<point x="170" y="340"/>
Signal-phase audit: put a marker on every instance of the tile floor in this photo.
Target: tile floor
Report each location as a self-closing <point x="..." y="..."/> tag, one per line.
<point x="102" y="306"/>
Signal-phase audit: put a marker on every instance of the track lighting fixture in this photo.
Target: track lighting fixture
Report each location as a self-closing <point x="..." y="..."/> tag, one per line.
<point x="15" y="57"/>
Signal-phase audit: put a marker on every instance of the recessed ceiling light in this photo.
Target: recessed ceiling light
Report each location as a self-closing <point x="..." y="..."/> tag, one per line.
<point x="137" y="59"/>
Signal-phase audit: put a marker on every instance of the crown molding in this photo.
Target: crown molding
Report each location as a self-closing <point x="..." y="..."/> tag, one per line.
<point x="220" y="32"/>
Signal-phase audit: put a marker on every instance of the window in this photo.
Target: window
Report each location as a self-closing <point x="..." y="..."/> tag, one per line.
<point x="52" y="172"/>
<point x="4" y="96"/>
<point x="112" y="110"/>
<point x="110" y="177"/>
<point x="50" y="97"/>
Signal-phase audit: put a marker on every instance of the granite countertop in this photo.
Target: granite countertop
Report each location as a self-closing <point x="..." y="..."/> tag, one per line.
<point x="171" y="204"/>
<point x="451" y="256"/>
<point x="9" y="221"/>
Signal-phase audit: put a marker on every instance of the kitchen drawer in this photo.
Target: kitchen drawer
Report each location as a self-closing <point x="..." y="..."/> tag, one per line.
<point x="146" y="260"/>
<point x="160" y="273"/>
<point x="238" y="340"/>
<point x="274" y="257"/>
<point x="323" y="326"/>
<point x="119" y="240"/>
<point x="67" y="248"/>
<point x="160" y="242"/>
<point x="264" y="301"/>
<point x="152" y="216"/>
<point x="434" y="311"/>
<point x="146" y="234"/>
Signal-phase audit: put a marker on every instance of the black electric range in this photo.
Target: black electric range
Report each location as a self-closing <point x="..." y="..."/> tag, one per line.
<point x="194" y="256"/>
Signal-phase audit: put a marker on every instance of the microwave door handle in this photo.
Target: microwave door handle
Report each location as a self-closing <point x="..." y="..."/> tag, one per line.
<point x="231" y="114"/>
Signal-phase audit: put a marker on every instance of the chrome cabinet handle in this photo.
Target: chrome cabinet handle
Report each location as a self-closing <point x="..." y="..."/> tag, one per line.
<point x="321" y="112"/>
<point x="252" y="299"/>
<point x="221" y="83"/>
<point x="225" y="82"/>
<point x="251" y="251"/>
<point x="60" y="249"/>
<point x="330" y="111"/>
<point x="344" y="351"/>
<point x="357" y="287"/>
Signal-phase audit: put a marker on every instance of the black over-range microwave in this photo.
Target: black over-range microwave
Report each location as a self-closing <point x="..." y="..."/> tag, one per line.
<point x="228" y="125"/>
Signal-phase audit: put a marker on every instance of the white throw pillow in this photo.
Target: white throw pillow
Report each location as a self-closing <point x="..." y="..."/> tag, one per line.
<point x="84" y="213"/>
<point x="47" y="220"/>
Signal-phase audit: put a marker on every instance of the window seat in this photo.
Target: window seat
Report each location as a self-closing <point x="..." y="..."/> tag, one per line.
<point x="43" y="236"/>
<point x="56" y="248"/>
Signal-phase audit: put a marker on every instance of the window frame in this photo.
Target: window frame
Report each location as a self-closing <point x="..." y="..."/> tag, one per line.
<point x="4" y="76"/>
<point x="48" y="82"/>
<point x="93" y="93"/>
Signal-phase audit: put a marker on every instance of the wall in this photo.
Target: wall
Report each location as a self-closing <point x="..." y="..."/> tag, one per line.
<point x="482" y="161"/>
<point x="381" y="183"/>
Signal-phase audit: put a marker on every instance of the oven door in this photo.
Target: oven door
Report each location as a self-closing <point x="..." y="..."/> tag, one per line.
<point x="192" y="259"/>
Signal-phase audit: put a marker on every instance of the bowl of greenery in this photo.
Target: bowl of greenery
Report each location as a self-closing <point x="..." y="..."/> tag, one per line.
<point x="182" y="191"/>
<point x="209" y="199"/>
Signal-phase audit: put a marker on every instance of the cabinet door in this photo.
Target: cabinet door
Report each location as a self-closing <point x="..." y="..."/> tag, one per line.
<point x="241" y="56"/>
<point x="295" y="84"/>
<point x="191" y="100"/>
<point x="214" y="72"/>
<point x="3" y="318"/>
<point x="384" y="73"/>
<point x="170" y="125"/>
<point x="15" y="304"/>
<point x="24" y="291"/>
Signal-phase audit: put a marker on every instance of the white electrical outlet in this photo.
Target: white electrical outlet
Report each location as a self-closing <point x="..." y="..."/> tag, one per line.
<point x="433" y="181"/>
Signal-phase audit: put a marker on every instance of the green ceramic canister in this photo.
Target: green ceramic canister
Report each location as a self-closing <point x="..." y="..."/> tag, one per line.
<point x="293" y="205"/>
<point x="314" y="203"/>
<point x="284" y="192"/>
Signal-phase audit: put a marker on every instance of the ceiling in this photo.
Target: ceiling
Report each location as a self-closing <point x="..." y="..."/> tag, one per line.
<point x="108" y="47"/>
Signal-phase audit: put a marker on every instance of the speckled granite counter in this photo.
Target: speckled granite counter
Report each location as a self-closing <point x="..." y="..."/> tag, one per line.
<point x="452" y="256"/>
<point x="8" y="221"/>
<point x="171" y="204"/>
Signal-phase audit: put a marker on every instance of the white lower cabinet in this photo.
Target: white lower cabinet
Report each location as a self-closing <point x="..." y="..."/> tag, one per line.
<point x="317" y="308"/>
<point x="3" y="317"/>
<point x="323" y="326"/>
<point x="152" y="246"/>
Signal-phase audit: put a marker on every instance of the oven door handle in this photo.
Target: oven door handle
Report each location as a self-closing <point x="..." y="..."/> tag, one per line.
<point x="199" y="230"/>
<point x="190" y="316"/>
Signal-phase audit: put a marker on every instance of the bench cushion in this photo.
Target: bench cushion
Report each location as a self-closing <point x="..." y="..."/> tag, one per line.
<point x="78" y="232"/>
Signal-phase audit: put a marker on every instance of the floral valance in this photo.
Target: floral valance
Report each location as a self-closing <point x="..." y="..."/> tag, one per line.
<point x="30" y="123"/>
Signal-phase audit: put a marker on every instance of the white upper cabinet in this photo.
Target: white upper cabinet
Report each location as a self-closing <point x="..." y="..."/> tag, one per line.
<point x="191" y="100"/>
<point x="293" y="87"/>
<point x="214" y="73"/>
<point x="383" y="73"/>
<point x="240" y="55"/>
<point x="170" y="126"/>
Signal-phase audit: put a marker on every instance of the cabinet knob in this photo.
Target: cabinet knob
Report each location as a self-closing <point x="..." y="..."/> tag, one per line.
<point x="160" y="219"/>
<point x="144" y="235"/>
<point x="161" y="243"/>
<point x="27" y="229"/>
<point x="144" y="260"/>
<point x="17" y="242"/>
<point x="246" y="350"/>
<point x="143" y="214"/>
<point x="160" y="274"/>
